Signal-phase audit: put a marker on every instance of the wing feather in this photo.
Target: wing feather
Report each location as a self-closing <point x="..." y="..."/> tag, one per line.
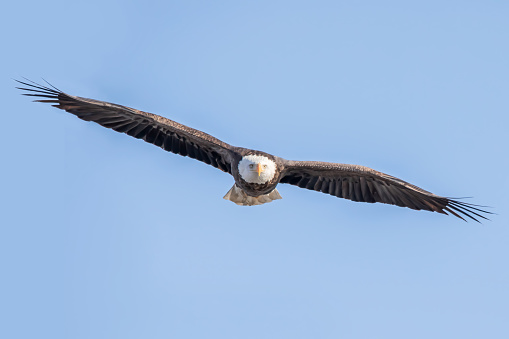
<point x="165" y="133"/>
<point x="363" y="184"/>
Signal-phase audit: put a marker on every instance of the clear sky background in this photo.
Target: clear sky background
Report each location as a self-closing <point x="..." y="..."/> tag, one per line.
<point x="105" y="236"/>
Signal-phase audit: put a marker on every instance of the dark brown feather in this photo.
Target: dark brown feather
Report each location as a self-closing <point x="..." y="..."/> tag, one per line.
<point x="363" y="184"/>
<point x="165" y="133"/>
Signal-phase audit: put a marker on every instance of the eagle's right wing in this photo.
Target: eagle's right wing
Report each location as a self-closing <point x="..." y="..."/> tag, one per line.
<point x="165" y="133"/>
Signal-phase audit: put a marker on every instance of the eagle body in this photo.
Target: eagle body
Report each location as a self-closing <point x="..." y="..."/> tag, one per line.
<point x="252" y="188"/>
<point x="256" y="174"/>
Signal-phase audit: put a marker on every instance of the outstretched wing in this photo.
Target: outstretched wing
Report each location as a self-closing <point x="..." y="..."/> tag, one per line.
<point x="165" y="133"/>
<point x="359" y="183"/>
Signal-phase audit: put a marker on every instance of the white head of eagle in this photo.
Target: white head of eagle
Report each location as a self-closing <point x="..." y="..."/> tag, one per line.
<point x="257" y="169"/>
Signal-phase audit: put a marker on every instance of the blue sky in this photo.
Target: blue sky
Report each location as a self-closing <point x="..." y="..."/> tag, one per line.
<point x="105" y="236"/>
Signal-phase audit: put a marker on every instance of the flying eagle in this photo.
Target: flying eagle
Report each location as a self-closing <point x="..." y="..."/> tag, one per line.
<point x="256" y="173"/>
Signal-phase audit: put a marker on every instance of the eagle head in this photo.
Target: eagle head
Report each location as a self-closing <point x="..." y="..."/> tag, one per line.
<point x="257" y="169"/>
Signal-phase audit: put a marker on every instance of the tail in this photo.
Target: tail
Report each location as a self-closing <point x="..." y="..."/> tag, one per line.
<point x="238" y="196"/>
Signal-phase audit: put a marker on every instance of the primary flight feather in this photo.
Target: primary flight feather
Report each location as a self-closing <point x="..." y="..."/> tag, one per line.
<point x="256" y="173"/>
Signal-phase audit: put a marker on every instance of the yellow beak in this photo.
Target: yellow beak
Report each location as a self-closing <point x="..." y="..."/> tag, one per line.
<point x="259" y="169"/>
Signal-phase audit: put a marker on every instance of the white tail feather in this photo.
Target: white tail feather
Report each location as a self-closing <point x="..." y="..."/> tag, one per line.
<point x="238" y="196"/>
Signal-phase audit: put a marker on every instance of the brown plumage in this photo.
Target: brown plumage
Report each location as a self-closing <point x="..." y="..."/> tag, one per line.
<point x="356" y="183"/>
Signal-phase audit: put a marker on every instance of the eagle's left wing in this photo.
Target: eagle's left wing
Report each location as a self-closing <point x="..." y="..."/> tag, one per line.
<point x="363" y="184"/>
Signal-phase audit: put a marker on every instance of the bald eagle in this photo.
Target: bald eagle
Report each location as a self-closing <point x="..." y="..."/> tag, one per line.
<point x="256" y="173"/>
